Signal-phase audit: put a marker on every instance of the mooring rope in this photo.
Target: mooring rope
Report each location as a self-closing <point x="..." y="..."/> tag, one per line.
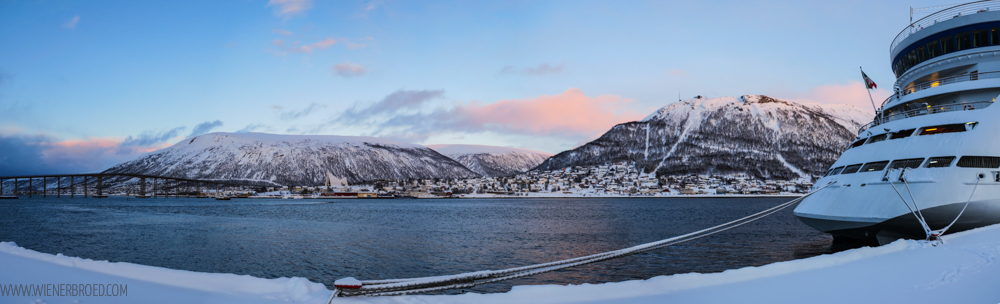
<point x="467" y="280"/>
<point x="919" y="216"/>
<point x="945" y="229"/>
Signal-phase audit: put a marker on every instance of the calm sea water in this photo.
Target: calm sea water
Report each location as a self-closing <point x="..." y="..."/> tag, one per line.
<point x="324" y="240"/>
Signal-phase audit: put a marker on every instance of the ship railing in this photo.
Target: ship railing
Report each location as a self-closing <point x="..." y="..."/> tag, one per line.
<point x="924" y="110"/>
<point x="948" y="80"/>
<point x="942" y="15"/>
<point x="886" y="101"/>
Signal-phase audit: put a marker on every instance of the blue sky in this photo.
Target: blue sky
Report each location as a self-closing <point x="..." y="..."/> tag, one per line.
<point x="86" y="84"/>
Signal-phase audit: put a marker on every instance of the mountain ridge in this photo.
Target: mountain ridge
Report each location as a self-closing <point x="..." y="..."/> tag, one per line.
<point x="294" y="159"/>
<point x="758" y="135"/>
<point x="493" y="161"/>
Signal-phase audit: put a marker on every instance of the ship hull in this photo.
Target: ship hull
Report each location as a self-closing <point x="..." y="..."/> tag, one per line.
<point x="978" y="214"/>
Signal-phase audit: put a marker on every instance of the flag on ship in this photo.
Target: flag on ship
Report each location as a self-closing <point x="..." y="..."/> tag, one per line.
<point x="868" y="81"/>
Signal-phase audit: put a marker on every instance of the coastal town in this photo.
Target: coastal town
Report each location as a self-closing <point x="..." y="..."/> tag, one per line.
<point x="613" y="179"/>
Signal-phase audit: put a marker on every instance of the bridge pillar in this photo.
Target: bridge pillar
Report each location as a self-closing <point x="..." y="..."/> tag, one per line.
<point x="72" y="183"/>
<point x="59" y="187"/>
<point x="100" y="184"/>
<point x="31" y="186"/>
<point x="16" y="187"/>
<point x="45" y="187"/>
<point x="85" y="193"/>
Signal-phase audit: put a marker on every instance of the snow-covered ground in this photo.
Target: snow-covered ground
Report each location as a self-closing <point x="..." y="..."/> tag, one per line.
<point x="962" y="270"/>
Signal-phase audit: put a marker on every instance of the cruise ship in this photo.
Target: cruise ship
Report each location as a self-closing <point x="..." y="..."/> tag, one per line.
<point x="928" y="162"/>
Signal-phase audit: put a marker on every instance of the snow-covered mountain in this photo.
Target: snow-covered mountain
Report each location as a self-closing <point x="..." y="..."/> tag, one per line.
<point x="294" y="159"/>
<point x="753" y="134"/>
<point x="493" y="160"/>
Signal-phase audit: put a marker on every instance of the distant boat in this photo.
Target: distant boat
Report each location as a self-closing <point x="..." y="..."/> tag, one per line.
<point x="99" y="196"/>
<point x="8" y="197"/>
<point x="223" y="198"/>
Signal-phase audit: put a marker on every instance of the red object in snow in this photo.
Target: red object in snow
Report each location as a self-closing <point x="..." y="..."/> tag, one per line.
<point x="347" y="283"/>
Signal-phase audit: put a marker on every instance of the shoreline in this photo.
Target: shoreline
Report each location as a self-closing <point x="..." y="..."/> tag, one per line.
<point x="477" y="196"/>
<point x="963" y="272"/>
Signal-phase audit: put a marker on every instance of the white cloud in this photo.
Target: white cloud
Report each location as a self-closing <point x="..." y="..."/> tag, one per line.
<point x="287" y="8"/>
<point x="72" y="22"/>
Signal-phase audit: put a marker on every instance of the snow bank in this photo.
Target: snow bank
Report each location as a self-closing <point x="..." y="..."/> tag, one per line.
<point x="962" y="270"/>
<point x="151" y="283"/>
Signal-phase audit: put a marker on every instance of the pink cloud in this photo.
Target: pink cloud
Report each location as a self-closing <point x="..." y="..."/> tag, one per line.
<point x="281" y="32"/>
<point x="287" y="8"/>
<point x="570" y="112"/>
<point x="852" y="93"/>
<point x="93" y="153"/>
<point x="278" y="42"/>
<point x="348" y="69"/>
<point x="319" y="45"/>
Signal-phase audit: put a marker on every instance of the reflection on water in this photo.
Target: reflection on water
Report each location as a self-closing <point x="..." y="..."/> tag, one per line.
<point x="383" y="239"/>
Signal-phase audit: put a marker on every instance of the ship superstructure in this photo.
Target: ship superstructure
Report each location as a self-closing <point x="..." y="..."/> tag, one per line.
<point x="932" y="151"/>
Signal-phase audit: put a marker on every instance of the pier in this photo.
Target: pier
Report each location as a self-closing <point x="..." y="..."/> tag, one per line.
<point x="93" y="185"/>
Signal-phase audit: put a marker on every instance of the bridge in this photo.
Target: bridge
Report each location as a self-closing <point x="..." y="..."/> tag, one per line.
<point x="161" y="185"/>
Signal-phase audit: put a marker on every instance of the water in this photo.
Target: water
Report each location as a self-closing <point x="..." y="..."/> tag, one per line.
<point x="324" y="240"/>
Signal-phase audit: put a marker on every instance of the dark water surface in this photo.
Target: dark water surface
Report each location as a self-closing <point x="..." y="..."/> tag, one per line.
<point x="324" y="240"/>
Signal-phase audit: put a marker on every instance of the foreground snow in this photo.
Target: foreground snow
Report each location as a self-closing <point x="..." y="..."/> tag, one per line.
<point x="963" y="270"/>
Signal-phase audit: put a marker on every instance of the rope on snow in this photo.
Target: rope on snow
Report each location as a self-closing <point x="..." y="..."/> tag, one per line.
<point x="351" y="287"/>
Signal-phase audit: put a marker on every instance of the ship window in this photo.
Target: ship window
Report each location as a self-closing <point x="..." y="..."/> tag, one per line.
<point x="947" y="44"/>
<point x="979" y="162"/>
<point x="913" y="57"/>
<point x="834" y="171"/>
<point x="981" y="38"/>
<point x="877" y="138"/>
<point x="940" y="162"/>
<point x="851" y="169"/>
<point x="964" y="42"/>
<point x="921" y="54"/>
<point x="943" y="129"/>
<point x="874" y="166"/>
<point x="858" y="143"/>
<point x="906" y="163"/>
<point x="902" y="134"/>
<point x="995" y="36"/>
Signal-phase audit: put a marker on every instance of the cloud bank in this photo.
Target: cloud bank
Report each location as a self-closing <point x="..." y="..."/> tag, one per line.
<point x="570" y="114"/>
<point x="205" y="127"/>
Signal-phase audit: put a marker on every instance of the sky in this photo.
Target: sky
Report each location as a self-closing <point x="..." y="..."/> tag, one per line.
<point x="88" y="84"/>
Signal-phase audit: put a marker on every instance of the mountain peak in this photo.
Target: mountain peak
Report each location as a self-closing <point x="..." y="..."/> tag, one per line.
<point x="493" y="160"/>
<point x="294" y="159"/>
<point x="758" y="135"/>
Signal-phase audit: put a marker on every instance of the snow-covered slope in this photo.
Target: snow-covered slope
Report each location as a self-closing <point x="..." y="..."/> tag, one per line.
<point x="493" y="160"/>
<point x="753" y="134"/>
<point x="294" y="159"/>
